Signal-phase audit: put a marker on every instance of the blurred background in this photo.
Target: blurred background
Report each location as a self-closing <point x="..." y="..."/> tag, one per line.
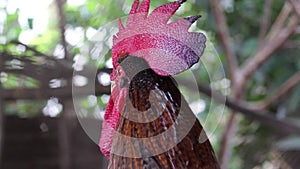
<point x="50" y="48"/>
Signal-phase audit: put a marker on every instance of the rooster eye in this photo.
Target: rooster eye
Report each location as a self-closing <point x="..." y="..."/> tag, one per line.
<point x="118" y="72"/>
<point x="123" y="82"/>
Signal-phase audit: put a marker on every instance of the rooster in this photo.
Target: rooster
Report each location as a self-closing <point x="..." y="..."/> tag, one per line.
<point x="147" y="123"/>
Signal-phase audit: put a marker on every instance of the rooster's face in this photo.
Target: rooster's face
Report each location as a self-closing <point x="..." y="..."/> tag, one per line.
<point x="128" y="66"/>
<point x="119" y="79"/>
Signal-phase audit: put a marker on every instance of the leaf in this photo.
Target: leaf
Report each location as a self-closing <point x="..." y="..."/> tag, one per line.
<point x="294" y="99"/>
<point x="30" y="23"/>
<point x="249" y="47"/>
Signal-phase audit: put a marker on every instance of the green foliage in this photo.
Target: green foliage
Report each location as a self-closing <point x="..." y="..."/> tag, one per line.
<point x="12" y="28"/>
<point x="25" y="108"/>
<point x="14" y="81"/>
<point x="46" y="42"/>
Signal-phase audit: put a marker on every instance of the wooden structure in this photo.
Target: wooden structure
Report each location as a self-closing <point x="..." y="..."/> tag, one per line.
<point x="34" y="143"/>
<point x="43" y="142"/>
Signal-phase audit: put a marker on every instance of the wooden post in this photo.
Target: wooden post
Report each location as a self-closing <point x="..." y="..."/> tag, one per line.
<point x="64" y="135"/>
<point x="64" y="140"/>
<point x="1" y="116"/>
<point x="1" y="126"/>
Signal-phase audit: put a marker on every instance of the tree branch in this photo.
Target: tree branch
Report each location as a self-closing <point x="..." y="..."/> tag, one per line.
<point x="46" y="74"/>
<point x="295" y="6"/>
<point x="280" y="21"/>
<point x="59" y="63"/>
<point x="65" y="92"/>
<point x="264" y="117"/>
<point x="234" y="73"/>
<point x="292" y="44"/>
<point x="265" y="22"/>
<point x="297" y="31"/>
<point x="226" y="42"/>
<point x="281" y="92"/>
<point x="36" y="52"/>
<point x="226" y="140"/>
<point x="266" y="52"/>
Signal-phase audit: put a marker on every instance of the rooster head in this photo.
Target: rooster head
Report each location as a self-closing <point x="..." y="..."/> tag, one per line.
<point x="167" y="48"/>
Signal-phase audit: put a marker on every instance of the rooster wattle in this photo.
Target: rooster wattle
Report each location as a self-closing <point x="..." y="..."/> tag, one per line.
<point x="148" y="123"/>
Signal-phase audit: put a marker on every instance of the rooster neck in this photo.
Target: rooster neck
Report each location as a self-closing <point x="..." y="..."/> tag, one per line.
<point x="143" y="81"/>
<point x="152" y="107"/>
<point x="147" y="82"/>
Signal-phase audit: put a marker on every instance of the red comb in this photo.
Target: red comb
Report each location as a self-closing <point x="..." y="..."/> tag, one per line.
<point x="167" y="47"/>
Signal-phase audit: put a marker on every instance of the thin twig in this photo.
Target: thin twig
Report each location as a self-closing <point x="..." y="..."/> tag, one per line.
<point x="281" y="92"/>
<point x="265" y="22"/>
<point x="226" y="140"/>
<point x="36" y="52"/>
<point x="280" y="21"/>
<point x="226" y="42"/>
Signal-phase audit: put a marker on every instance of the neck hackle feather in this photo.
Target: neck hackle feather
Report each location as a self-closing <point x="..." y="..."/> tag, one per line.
<point x="166" y="49"/>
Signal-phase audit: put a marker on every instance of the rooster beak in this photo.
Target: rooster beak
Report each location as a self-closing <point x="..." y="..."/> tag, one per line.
<point x="113" y="85"/>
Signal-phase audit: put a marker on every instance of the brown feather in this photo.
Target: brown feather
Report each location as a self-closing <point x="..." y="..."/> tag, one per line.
<point x="151" y="96"/>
